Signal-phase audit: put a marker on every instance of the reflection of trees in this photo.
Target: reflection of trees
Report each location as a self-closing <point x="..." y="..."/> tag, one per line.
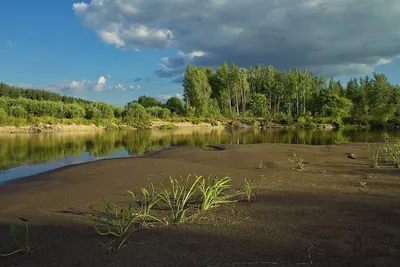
<point x="32" y="149"/>
<point x="17" y="150"/>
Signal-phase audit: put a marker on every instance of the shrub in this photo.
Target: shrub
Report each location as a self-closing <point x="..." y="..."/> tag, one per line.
<point x="106" y="111"/>
<point x="159" y="112"/>
<point x="3" y="117"/>
<point x="18" y="112"/>
<point x="92" y="112"/>
<point x="167" y="127"/>
<point x="73" y="111"/>
<point x="136" y="116"/>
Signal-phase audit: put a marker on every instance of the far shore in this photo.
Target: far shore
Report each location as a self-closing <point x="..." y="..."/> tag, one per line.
<point x="154" y="125"/>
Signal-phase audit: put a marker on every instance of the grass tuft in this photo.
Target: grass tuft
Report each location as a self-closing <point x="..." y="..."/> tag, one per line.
<point x="120" y="221"/>
<point x="248" y="190"/>
<point x="213" y="192"/>
<point x="177" y="197"/>
<point x="373" y="155"/>
<point x="297" y="163"/>
<point x="24" y="247"/>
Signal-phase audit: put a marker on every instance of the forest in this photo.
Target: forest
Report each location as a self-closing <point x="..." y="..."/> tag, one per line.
<point x="261" y="93"/>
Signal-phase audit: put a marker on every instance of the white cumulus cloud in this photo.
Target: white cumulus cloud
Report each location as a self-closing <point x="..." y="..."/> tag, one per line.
<point x="98" y="86"/>
<point x="333" y="37"/>
<point x="77" y="85"/>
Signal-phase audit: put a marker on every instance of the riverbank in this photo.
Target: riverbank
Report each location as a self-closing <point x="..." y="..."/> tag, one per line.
<point x="325" y="214"/>
<point x="156" y="124"/>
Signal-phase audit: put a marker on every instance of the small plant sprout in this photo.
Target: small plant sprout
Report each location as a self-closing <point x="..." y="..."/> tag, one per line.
<point x="363" y="186"/>
<point x="213" y="192"/>
<point x="297" y="163"/>
<point x="248" y="190"/>
<point x="261" y="165"/>
<point x="373" y="155"/>
<point x="177" y="197"/>
<point x="24" y="247"/>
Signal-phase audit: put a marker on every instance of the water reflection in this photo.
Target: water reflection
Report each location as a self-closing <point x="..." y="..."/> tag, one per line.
<point x="27" y="154"/>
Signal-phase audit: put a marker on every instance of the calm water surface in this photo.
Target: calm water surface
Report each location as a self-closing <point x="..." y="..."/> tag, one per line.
<point x="27" y="154"/>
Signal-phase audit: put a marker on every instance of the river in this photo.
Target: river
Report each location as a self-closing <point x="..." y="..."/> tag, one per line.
<point x="22" y="155"/>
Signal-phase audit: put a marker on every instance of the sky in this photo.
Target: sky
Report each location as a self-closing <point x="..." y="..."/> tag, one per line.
<point x="117" y="50"/>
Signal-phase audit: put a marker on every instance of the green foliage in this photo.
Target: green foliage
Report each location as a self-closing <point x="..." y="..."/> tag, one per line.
<point x="73" y="111"/>
<point x="24" y="246"/>
<point x="136" y="116"/>
<point x="373" y="155"/>
<point x="106" y="110"/>
<point x="297" y="163"/>
<point x="148" y="101"/>
<point x="175" y="105"/>
<point x="259" y="105"/>
<point x="248" y="190"/>
<point x="3" y="117"/>
<point x="392" y="152"/>
<point x="167" y="127"/>
<point x="92" y="112"/>
<point x="213" y="192"/>
<point x="306" y="121"/>
<point x="18" y="112"/>
<point x="159" y="112"/>
<point x="118" y="111"/>
<point x="121" y="221"/>
<point x="177" y="197"/>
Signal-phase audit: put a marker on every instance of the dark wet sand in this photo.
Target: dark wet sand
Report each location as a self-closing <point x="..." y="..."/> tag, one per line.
<point x="329" y="212"/>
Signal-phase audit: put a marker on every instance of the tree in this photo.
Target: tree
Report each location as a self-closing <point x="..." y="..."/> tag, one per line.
<point x="259" y="105"/>
<point x="197" y="90"/>
<point x="148" y="101"/>
<point x="136" y="116"/>
<point x="222" y="90"/>
<point x="175" y="105"/>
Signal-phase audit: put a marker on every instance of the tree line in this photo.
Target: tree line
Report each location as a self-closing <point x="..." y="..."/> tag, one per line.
<point x="294" y="96"/>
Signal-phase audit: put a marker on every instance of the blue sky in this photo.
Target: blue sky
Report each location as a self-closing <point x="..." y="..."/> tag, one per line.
<point x="117" y="50"/>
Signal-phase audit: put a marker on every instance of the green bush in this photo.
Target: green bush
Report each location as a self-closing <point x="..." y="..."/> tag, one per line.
<point x="167" y="127"/>
<point x="18" y="112"/>
<point x="92" y="112"/>
<point x="106" y="110"/>
<point x="73" y="111"/>
<point x="136" y="116"/>
<point x="3" y="117"/>
<point x="159" y="112"/>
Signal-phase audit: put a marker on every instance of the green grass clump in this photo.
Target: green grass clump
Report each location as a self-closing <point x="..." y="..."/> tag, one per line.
<point x="213" y="192"/>
<point x="248" y="190"/>
<point x="297" y="163"/>
<point x="167" y="127"/>
<point x="373" y="155"/>
<point x="392" y="153"/>
<point x="120" y="221"/>
<point x="341" y="140"/>
<point x="177" y="197"/>
<point x="150" y="198"/>
<point x="21" y="247"/>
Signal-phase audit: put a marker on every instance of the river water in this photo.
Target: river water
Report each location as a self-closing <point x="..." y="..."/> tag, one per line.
<point x="27" y="154"/>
